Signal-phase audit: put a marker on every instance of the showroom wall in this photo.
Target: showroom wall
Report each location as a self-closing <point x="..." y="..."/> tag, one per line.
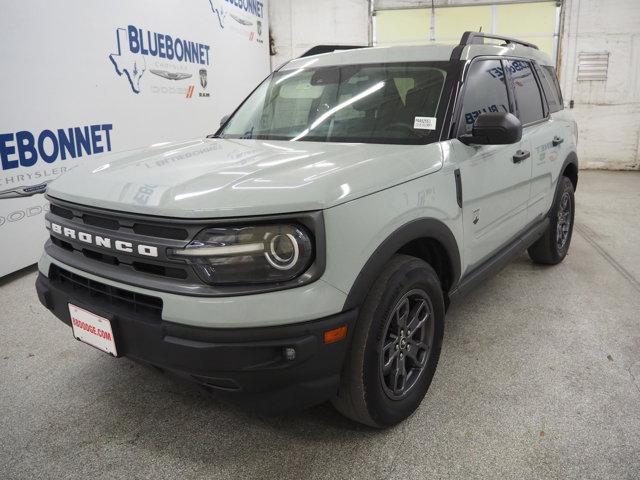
<point x="537" y="23"/>
<point x="83" y="78"/>
<point x="607" y="110"/>
<point x="298" y="25"/>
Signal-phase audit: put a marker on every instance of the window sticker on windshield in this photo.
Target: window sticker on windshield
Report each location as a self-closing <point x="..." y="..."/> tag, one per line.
<point x="424" y="123"/>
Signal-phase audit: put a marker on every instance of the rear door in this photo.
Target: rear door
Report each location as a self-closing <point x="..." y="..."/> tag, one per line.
<point x="537" y="133"/>
<point x="550" y="149"/>
<point x="495" y="184"/>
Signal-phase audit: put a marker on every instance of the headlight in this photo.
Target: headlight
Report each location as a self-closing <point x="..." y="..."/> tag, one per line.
<point x="250" y="254"/>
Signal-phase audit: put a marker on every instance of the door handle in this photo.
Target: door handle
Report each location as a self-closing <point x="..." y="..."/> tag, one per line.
<point x="521" y="155"/>
<point x="557" y="141"/>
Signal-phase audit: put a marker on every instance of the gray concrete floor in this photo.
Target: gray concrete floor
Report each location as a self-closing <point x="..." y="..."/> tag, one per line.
<point x="539" y="378"/>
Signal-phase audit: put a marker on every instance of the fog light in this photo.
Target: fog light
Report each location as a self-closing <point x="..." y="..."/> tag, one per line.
<point x="289" y="353"/>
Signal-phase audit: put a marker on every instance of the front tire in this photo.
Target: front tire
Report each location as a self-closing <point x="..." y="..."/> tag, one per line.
<point x="396" y="345"/>
<point x="552" y="247"/>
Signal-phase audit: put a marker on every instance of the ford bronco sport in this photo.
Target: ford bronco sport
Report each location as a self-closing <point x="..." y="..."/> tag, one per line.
<point x="309" y="249"/>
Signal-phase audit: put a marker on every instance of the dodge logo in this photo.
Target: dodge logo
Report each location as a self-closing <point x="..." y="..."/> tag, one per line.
<point x="100" y="241"/>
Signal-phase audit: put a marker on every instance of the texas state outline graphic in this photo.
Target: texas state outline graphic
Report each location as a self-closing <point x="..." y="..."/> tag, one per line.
<point x="132" y="65"/>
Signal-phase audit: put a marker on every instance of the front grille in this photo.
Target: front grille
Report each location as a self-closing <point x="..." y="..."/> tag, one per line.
<point x="91" y="291"/>
<point x="62" y="244"/>
<point x="163" y="234"/>
<point x="61" y="212"/>
<point x="150" y="268"/>
<point x="114" y="222"/>
<point x="102" y="222"/>
<point x="161" y="231"/>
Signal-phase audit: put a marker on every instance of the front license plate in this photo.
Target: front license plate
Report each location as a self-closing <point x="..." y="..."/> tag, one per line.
<point x="92" y="329"/>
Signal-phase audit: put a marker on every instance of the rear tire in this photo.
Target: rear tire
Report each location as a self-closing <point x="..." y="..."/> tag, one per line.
<point x="396" y="345"/>
<point x="552" y="247"/>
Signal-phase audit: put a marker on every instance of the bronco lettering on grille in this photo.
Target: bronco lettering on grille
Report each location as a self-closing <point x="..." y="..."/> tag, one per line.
<point x="100" y="241"/>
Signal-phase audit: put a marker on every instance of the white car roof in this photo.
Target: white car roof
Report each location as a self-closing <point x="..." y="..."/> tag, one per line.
<point x="414" y="53"/>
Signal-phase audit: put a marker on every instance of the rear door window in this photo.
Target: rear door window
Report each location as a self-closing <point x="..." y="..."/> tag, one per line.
<point x="527" y="92"/>
<point x="485" y="92"/>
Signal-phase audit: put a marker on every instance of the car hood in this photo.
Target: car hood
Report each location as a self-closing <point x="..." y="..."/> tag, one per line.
<point x="221" y="177"/>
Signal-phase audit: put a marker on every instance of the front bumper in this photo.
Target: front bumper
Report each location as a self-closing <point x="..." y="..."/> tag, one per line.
<point x="295" y="305"/>
<point x="246" y="365"/>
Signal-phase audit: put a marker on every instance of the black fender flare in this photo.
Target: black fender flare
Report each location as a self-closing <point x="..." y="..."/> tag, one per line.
<point x="572" y="158"/>
<point x="413" y="230"/>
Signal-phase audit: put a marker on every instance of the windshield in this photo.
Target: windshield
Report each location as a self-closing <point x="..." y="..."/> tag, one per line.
<point x="383" y="103"/>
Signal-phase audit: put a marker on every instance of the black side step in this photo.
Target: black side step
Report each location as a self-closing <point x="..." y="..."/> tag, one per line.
<point x="498" y="261"/>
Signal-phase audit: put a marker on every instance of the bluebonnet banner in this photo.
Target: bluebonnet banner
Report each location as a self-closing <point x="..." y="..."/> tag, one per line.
<point x="87" y="78"/>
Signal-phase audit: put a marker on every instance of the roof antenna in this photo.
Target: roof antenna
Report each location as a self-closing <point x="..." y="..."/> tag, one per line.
<point x="480" y="29"/>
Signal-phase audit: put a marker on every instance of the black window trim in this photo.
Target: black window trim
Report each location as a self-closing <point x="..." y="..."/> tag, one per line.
<point x="553" y="71"/>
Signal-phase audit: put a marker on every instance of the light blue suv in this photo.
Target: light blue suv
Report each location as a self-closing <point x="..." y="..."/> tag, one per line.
<point x="309" y="249"/>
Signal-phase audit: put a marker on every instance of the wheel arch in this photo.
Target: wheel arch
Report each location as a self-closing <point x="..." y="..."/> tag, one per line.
<point x="570" y="169"/>
<point x="428" y="239"/>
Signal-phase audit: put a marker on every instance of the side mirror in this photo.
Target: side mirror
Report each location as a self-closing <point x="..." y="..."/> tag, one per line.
<point x="494" y="129"/>
<point x="224" y="119"/>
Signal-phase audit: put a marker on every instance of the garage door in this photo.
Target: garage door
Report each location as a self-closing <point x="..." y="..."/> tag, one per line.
<point x="535" y="22"/>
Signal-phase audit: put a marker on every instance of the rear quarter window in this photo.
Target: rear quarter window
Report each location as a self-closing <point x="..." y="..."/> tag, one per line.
<point x="551" y="88"/>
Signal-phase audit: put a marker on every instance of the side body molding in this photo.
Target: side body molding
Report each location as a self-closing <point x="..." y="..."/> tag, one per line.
<point x="420" y="228"/>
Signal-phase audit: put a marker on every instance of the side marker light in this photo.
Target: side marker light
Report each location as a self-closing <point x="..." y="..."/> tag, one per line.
<point x="335" y="334"/>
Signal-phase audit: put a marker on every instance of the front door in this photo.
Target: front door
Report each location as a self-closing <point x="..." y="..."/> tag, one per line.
<point x="495" y="178"/>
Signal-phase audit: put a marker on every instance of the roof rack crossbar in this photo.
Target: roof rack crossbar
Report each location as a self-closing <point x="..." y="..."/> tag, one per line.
<point x="477" y="38"/>
<point x="318" y="49"/>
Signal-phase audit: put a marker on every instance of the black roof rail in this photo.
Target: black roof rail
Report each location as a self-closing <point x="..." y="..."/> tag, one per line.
<point x="477" y="38"/>
<point x="318" y="49"/>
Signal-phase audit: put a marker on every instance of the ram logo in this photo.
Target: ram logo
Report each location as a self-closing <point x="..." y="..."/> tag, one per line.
<point x="203" y="77"/>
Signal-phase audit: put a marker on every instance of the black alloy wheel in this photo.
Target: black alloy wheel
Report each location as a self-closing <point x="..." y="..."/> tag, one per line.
<point x="406" y="343"/>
